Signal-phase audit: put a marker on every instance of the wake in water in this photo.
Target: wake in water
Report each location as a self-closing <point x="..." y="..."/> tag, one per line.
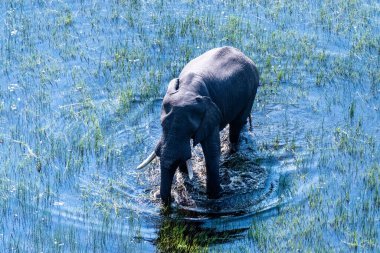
<point x="246" y="186"/>
<point x="252" y="182"/>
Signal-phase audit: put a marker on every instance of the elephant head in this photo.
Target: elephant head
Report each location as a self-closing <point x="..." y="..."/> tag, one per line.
<point x="185" y="115"/>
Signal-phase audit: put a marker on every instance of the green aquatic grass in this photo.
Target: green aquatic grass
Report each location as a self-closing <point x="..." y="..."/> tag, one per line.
<point x="73" y="80"/>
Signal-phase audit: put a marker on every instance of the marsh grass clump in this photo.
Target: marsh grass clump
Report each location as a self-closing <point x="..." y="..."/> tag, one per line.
<point x="233" y="30"/>
<point x="372" y="177"/>
<point x="259" y="234"/>
<point x="125" y="99"/>
<point x="179" y="236"/>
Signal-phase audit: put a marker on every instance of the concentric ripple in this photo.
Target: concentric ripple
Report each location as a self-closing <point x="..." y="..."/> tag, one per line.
<point x="247" y="187"/>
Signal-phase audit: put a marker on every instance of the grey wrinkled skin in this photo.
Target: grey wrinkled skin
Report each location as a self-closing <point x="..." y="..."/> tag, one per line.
<point x="213" y="90"/>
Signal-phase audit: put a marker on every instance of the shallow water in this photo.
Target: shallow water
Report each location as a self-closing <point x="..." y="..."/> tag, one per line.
<point x="81" y="85"/>
<point x="114" y="199"/>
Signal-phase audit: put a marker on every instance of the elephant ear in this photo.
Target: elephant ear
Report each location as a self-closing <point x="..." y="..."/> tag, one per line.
<point x="210" y="119"/>
<point x="173" y="86"/>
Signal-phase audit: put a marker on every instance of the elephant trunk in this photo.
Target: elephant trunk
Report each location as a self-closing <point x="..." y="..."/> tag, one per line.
<point x="167" y="175"/>
<point x="174" y="151"/>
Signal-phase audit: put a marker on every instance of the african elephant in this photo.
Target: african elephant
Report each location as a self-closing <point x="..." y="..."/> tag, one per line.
<point x="213" y="90"/>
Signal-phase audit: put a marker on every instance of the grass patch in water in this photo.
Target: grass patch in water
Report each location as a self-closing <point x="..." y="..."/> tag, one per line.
<point x="181" y="236"/>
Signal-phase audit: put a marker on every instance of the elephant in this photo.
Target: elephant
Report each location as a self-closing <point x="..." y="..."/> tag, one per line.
<point x="215" y="89"/>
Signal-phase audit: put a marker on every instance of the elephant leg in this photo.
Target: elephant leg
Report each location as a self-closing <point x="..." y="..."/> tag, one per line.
<point x="211" y="151"/>
<point x="234" y="135"/>
<point x="237" y="125"/>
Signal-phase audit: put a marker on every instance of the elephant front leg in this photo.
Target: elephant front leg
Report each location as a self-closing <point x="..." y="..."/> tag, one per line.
<point x="182" y="167"/>
<point x="211" y="150"/>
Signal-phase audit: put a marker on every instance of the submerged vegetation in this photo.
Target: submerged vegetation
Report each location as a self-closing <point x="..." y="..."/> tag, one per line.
<point x="80" y="90"/>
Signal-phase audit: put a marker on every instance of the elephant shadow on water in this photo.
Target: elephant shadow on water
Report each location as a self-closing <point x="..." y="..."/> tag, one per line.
<point x="245" y="184"/>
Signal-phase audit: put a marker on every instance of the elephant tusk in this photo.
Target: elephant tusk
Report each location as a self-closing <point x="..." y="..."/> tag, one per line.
<point x="147" y="161"/>
<point x="189" y="166"/>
